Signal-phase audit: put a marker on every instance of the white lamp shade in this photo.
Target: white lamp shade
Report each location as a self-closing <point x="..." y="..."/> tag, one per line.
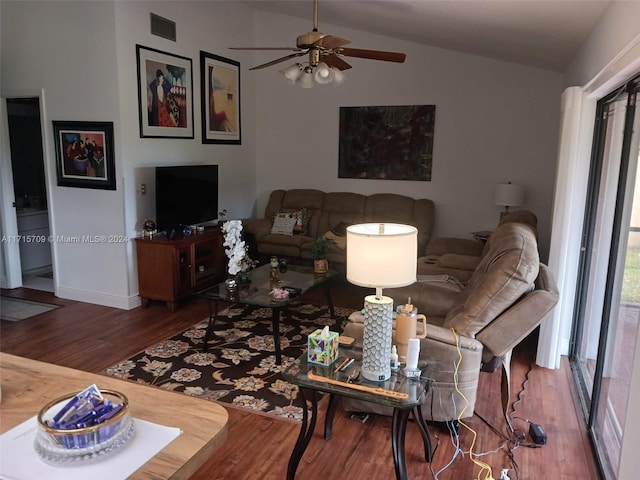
<point x="292" y="72"/>
<point x="508" y="195"/>
<point x="306" y="80"/>
<point x="338" y="77"/>
<point x="382" y="255"/>
<point x="323" y="74"/>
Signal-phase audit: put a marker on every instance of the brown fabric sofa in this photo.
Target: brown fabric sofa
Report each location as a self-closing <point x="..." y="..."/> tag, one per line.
<point x="508" y="295"/>
<point x="459" y="257"/>
<point x="327" y="212"/>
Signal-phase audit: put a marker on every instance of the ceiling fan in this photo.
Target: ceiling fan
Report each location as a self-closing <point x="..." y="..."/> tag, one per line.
<point x="322" y="49"/>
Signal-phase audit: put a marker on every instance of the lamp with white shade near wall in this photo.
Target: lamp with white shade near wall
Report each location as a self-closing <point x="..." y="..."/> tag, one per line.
<point x="508" y="195"/>
<point x="380" y="255"/>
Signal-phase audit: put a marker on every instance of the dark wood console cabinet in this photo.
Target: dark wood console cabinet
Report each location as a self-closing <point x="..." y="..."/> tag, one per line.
<point x="170" y="270"/>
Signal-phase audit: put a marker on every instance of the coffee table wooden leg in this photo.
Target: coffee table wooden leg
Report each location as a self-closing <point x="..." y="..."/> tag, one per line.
<point x="275" y="317"/>
<point x="398" y="430"/>
<point x="212" y="319"/>
<point x="306" y="431"/>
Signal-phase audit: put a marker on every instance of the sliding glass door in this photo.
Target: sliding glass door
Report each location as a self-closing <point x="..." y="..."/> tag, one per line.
<point x="607" y="309"/>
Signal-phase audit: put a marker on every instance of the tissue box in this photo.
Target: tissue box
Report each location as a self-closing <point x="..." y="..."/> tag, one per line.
<point x="323" y="351"/>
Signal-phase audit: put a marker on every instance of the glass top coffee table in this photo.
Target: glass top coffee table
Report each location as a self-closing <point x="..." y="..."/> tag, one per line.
<point x="404" y="395"/>
<point x="298" y="279"/>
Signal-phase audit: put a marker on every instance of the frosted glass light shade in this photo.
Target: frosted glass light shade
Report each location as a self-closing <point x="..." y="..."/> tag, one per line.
<point x="292" y="72"/>
<point x="508" y="194"/>
<point x="338" y="77"/>
<point x="382" y="255"/>
<point x="323" y="73"/>
<point x="306" y="80"/>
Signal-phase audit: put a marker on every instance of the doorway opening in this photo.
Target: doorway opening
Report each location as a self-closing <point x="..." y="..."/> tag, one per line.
<point x="30" y="192"/>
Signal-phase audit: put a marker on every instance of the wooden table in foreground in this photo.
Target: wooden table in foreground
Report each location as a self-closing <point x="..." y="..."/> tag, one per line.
<point x="27" y="385"/>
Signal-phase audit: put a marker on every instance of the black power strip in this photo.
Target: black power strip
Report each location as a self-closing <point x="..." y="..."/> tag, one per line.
<point x="537" y="434"/>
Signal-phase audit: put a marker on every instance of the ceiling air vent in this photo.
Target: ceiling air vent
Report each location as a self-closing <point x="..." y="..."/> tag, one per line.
<point x="163" y="27"/>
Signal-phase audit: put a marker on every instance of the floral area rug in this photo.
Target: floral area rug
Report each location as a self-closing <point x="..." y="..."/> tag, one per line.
<point x="239" y="368"/>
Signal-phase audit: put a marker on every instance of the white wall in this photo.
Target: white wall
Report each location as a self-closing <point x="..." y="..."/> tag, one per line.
<point x="201" y="26"/>
<point x="495" y="122"/>
<point x="51" y="45"/>
<point x="83" y="55"/>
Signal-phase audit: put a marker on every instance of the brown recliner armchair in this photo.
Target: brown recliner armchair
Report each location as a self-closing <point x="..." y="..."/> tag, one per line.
<point x="459" y="257"/>
<point x="509" y="294"/>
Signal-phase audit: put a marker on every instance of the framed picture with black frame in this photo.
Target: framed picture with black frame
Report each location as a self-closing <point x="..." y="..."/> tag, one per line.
<point x="220" y="84"/>
<point x="84" y="154"/>
<point x="165" y="94"/>
<point x="387" y="142"/>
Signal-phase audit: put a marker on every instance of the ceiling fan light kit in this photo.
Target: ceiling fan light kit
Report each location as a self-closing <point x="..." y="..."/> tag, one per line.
<point x="325" y="53"/>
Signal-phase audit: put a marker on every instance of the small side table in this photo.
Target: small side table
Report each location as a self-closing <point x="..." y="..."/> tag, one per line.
<point x="309" y="377"/>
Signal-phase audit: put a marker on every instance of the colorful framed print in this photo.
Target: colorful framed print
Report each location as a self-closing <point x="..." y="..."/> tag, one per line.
<point x="220" y="83"/>
<point x="84" y="154"/>
<point x="165" y="94"/>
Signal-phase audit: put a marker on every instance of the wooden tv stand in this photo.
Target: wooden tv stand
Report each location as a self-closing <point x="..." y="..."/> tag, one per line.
<point x="169" y="270"/>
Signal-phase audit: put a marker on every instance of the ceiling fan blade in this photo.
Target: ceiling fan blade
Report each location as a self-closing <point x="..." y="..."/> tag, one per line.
<point x="295" y="49"/>
<point x="372" y="54"/>
<point x="331" y="42"/>
<point x="334" y="60"/>
<point x="278" y="60"/>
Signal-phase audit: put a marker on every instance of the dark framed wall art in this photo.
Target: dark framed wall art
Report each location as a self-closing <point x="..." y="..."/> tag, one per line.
<point x="387" y="142"/>
<point x="84" y="154"/>
<point x="220" y="83"/>
<point x="165" y="94"/>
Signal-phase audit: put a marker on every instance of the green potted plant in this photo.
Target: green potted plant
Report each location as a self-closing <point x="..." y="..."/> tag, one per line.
<point x="319" y="251"/>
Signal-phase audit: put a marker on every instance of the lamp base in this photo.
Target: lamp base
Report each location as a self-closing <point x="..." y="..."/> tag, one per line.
<point x="376" y="342"/>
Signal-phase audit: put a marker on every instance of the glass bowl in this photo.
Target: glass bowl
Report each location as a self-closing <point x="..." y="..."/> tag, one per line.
<point x="83" y="445"/>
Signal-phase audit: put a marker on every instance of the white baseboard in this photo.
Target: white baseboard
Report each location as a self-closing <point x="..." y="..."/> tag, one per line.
<point x="123" y="303"/>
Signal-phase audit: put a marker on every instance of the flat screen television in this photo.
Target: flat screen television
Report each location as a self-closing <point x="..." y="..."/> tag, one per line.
<point x="186" y="195"/>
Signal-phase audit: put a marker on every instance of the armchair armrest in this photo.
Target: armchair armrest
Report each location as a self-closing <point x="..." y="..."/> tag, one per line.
<point x="512" y="326"/>
<point x="444" y="337"/>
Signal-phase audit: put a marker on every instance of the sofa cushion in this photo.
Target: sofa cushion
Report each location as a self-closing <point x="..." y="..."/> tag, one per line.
<point x="347" y="207"/>
<point x="506" y="272"/>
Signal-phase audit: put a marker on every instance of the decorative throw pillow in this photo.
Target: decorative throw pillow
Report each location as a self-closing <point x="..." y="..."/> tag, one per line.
<point x="283" y="225"/>
<point x="337" y="240"/>
<point x="340" y="229"/>
<point x="301" y="220"/>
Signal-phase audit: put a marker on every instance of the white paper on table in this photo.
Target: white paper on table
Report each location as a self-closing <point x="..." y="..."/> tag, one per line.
<point x="19" y="460"/>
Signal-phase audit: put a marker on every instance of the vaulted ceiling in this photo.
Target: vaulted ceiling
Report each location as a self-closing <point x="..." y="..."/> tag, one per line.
<point x="540" y="33"/>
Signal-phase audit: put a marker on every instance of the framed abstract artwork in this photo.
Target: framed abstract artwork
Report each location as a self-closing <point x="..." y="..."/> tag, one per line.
<point x="84" y="154"/>
<point x="165" y="94"/>
<point x="387" y="143"/>
<point x="220" y="84"/>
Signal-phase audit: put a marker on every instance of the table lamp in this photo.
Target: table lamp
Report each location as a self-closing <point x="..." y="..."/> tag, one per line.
<point x="508" y="195"/>
<point x="380" y="255"/>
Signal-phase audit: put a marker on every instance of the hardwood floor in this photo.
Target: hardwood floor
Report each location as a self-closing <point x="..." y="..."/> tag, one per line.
<point x="91" y="338"/>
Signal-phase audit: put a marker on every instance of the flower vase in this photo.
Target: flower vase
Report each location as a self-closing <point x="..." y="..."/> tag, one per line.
<point x="231" y="285"/>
